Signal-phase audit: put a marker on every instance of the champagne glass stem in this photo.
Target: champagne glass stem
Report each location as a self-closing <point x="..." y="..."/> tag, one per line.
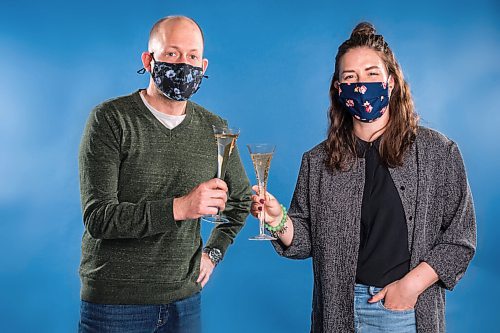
<point x="262" y="214"/>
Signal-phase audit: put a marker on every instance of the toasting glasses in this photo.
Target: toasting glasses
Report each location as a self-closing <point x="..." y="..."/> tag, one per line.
<point x="261" y="155"/>
<point x="226" y="141"/>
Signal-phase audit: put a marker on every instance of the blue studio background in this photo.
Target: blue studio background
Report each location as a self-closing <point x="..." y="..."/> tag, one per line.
<point x="270" y="67"/>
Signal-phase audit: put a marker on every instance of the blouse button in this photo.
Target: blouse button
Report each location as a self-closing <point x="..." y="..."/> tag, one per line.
<point x="402" y="188"/>
<point x="410" y="218"/>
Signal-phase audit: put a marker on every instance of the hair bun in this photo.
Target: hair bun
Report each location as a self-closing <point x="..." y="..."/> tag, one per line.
<point x="363" y="29"/>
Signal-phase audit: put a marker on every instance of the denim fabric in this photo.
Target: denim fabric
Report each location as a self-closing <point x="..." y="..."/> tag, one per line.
<point x="375" y="318"/>
<point x="183" y="316"/>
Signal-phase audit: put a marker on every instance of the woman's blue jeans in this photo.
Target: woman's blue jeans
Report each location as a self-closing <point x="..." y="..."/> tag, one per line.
<point x="183" y="316"/>
<point x="375" y="318"/>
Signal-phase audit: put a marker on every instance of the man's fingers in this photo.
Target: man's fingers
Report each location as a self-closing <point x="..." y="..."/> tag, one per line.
<point x="206" y="269"/>
<point x="211" y="210"/>
<point x="216" y="203"/>
<point x="201" y="277"/>
<point x="217" y="183"/>
<point x="218" y="194"/>
<point x="205" y="280"/>
<point x="211" y="205"/>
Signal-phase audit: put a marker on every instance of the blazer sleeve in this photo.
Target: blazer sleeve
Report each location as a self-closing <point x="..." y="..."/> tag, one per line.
<point x="299" y="213"/>
<point x="456" y="243"/>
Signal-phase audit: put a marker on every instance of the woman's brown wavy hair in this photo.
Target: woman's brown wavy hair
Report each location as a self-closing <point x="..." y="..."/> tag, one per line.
<point x="403" y="121"/>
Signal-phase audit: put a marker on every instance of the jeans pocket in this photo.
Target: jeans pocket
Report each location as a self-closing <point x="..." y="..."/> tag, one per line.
<point x="382" y="306"/>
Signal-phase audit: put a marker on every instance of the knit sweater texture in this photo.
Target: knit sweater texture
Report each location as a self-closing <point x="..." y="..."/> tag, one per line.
<point x="131" y="169"/>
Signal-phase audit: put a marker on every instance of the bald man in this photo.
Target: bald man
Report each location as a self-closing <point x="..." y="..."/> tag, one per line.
<point x="148" y="163"/>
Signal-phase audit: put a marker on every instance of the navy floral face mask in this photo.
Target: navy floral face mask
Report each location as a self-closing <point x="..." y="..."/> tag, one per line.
<point x="178" y="81"/>
<point x="366" y="101"/>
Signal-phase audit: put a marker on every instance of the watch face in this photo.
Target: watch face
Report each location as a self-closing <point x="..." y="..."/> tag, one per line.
<point x="214" y="254"/>
<point x="217" y="253"/>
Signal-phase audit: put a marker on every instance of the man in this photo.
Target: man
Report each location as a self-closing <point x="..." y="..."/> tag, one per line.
<point x="147" y="167"/>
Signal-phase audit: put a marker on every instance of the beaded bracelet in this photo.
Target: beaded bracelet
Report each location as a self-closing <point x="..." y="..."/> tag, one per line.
<point x="281" y="227"/>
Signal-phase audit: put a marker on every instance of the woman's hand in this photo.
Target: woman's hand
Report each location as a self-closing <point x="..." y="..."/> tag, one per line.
<point x="273" y="213"/>
<point x="403" y="294"/>
<point x="397" y="296"/>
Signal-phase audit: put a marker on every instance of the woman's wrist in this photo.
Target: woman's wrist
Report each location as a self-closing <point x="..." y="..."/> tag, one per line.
<point x="276" y="220"/>
<point x="280" y="228"/>
<point x="420" y="278"/>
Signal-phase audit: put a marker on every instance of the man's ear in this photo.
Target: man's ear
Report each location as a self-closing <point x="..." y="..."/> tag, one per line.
<point x="146" y="58"/>
<point x="204" y="64"/>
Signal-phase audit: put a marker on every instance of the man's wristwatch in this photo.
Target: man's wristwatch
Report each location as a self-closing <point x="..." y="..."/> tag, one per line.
<point x="214" y="254"/>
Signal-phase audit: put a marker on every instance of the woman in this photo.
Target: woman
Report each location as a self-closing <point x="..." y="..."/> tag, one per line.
<point x="382" y="205"/>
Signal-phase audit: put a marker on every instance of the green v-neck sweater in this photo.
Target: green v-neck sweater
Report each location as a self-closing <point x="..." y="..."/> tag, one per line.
<point x="131" y="169"/>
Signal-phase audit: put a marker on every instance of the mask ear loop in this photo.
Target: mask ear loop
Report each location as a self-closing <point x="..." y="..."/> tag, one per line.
<point x="143" y="70"/>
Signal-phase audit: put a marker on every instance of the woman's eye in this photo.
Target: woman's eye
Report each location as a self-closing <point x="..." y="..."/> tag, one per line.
<point x="373" y="74"/>
<point x="348" y="77"/>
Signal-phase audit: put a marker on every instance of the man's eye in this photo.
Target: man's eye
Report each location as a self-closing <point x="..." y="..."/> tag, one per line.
<point x="193" y="57"/>
<point x="171" y="54"/>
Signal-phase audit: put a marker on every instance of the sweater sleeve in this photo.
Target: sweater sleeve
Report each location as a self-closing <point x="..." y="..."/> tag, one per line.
<point x="237" y="205"/>
<point x="104" y="216"/>
<point x="456" y="244"/>
<point x="299" y="213"/>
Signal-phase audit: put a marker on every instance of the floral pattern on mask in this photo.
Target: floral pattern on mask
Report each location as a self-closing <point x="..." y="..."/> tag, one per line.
<point x="365" y="101"/>
<point x="177" y="82"/>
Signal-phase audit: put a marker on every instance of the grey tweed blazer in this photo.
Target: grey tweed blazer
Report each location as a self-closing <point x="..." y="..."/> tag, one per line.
<point x="326" y="214"/>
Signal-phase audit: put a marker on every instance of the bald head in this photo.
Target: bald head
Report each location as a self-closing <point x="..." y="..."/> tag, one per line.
<point x="165" y="26"/>
<point x="175" y="39"/>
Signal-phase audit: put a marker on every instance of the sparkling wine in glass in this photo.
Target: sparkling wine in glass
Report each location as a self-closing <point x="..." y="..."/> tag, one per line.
<point x="226" y="141"/>
<point x="261" y="155"/>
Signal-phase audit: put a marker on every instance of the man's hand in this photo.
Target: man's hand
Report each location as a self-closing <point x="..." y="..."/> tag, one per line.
<point x="204" y="199"/>
<point x="206" y="269"/>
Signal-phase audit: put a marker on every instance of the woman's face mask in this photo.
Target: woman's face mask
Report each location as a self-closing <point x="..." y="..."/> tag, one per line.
<point x="366" y="101"/>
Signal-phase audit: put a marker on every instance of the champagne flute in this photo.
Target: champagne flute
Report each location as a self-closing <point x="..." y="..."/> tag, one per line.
<point x="226" y="141"/>
<point x="261" y="155"/>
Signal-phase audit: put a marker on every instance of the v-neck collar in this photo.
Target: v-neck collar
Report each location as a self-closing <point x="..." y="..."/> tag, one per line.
<point x="147" y="113"/>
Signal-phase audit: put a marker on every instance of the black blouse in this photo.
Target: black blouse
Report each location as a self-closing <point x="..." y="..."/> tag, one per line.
<point x="383" y="252"/>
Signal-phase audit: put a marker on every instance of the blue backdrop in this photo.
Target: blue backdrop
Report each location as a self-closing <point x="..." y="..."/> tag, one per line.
<point x="270" y="67"/>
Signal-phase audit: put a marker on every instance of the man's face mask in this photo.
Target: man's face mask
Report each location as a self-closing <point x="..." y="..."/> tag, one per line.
<point x="366" y="101"/>
<point x="178" y="81"/>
